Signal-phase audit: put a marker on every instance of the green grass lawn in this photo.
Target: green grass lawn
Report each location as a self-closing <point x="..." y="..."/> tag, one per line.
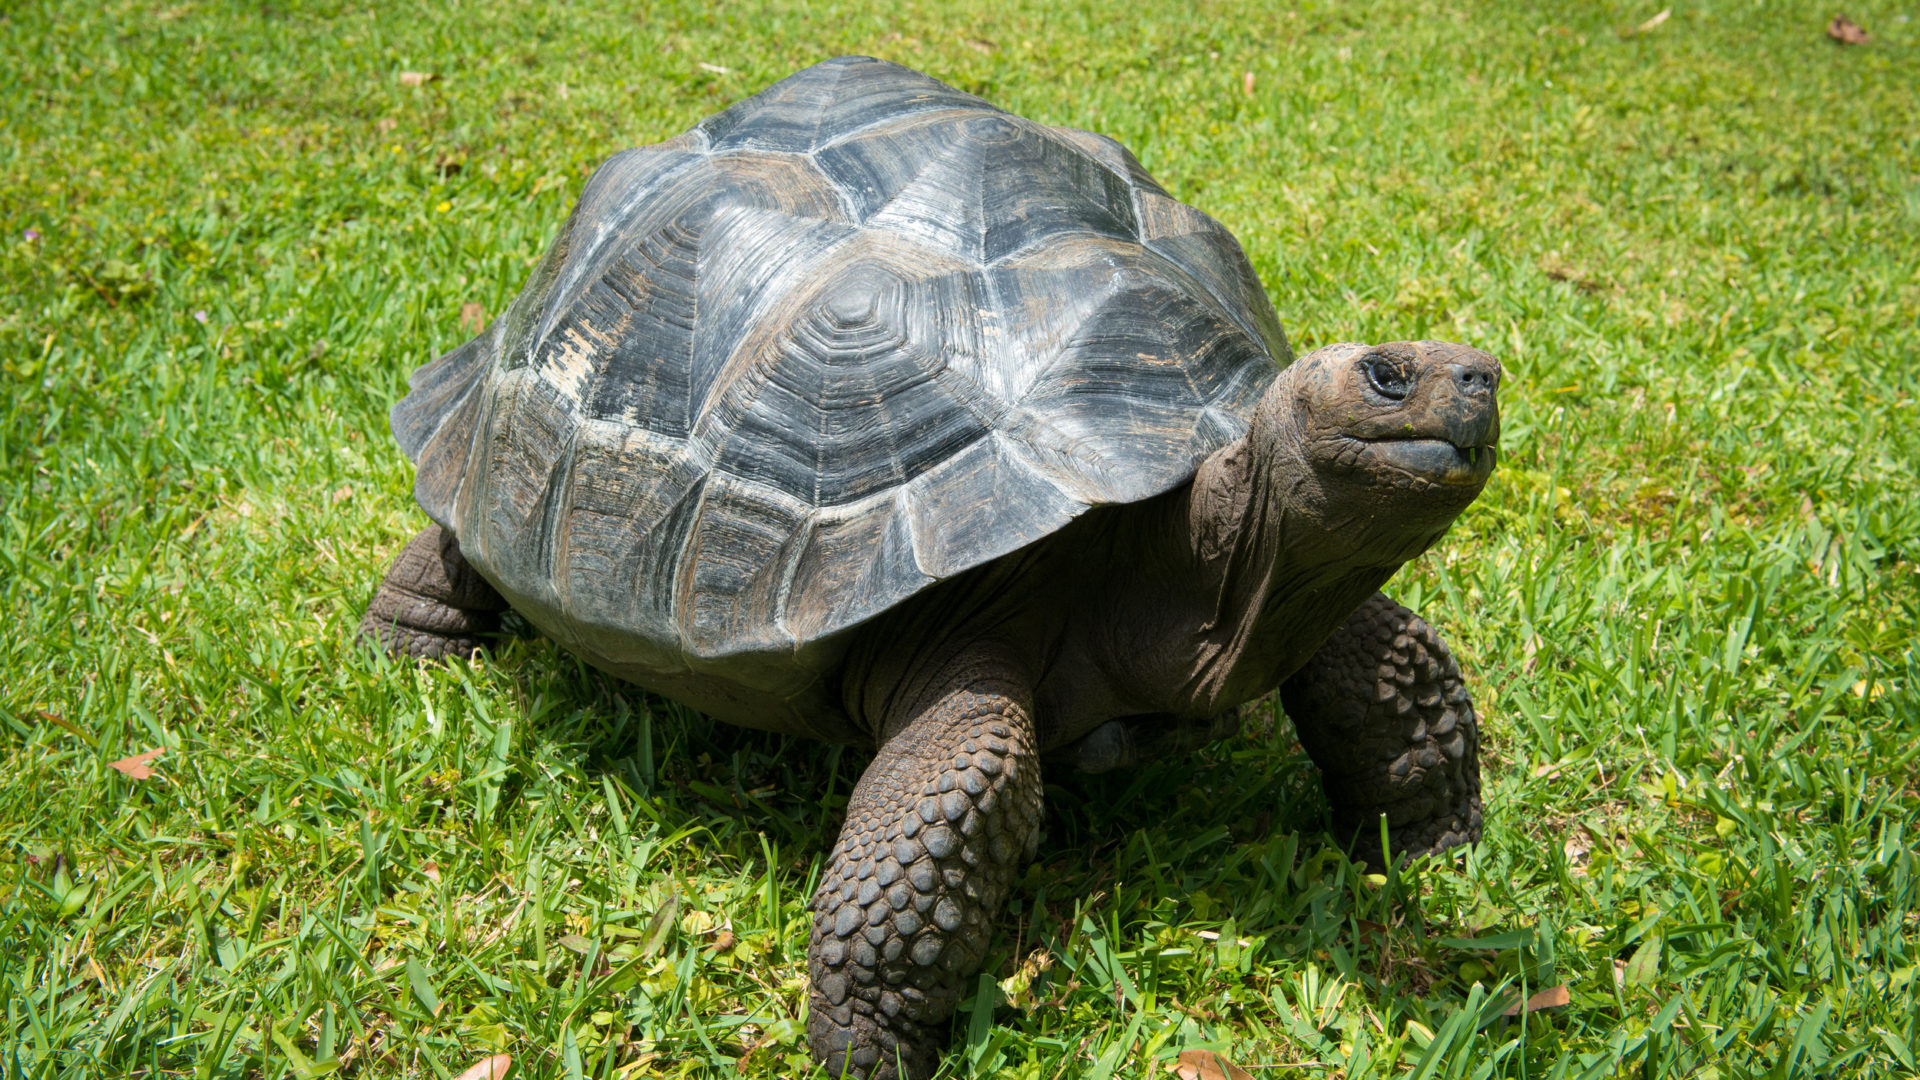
<point x="1687" y="601"/>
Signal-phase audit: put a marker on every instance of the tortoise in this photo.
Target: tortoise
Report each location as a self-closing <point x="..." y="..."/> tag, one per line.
<point x="869" y="411"/>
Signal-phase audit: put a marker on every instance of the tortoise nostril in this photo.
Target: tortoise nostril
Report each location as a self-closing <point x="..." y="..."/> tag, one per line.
<point x="1472" y="379"/>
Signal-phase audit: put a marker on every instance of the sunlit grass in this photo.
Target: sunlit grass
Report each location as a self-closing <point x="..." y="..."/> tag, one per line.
<point x="1687" y="602"/>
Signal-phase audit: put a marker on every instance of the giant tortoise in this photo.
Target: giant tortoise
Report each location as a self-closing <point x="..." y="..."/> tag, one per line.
<point x="869" y="411"/>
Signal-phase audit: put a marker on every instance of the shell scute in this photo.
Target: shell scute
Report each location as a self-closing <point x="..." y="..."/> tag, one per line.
<point x="734" y="570"/>
<point x="635" y="496"/>
<point x="1114" y="156"/>
<point x="973" y="499"/>
<point x="980" y="185"/>
<point x="847" y="93"/>
<point x="856" y="557"/>
<point x="525" y="448"/>
<point x="1210" y="256"/>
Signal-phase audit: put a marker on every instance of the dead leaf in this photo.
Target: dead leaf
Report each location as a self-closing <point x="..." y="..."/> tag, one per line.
<point x="56" y="718"/>
<point x="1246" y="84"/>
<point x="715" y="68"/>
<point x="1207" y="1065"/>
<point x="431" y="871"/>
<point x="473" y="317"/>
<point x="1845" y="31"/>
<point x="1651" y="24"/>
<point x="1560" y="269"/>
<point x="724" y="940"/>
<point x="418" y="78"/>
<point x="1553" y="997"/>
<point x="493" y="1068"/>
<point x="1578" y="846"/>
<point x="135" y="767"/>
<point x="100" y="976"/>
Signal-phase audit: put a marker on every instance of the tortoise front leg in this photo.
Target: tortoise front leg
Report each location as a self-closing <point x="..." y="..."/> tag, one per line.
<point x="1383" y="712"/>
<point x="432" y="603"/>
<point x="936" y="829"/>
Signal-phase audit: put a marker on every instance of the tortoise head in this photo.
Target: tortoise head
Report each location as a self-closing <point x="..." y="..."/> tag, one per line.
<point x="1397" y="438"/>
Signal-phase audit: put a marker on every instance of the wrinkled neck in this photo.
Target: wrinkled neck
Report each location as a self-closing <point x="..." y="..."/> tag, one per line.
<point x="1253" y="532"/>
<point x="1256" y="510"/>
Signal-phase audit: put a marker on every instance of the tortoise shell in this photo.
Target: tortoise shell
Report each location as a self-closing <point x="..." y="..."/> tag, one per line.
<point x="846" y="339"/>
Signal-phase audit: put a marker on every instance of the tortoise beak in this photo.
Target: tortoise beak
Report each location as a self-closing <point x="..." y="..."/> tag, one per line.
<point x="1452" y="423"/>
<point x="1465" y="404"/>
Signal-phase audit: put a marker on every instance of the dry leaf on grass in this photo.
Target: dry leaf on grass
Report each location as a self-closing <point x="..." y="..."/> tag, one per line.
<point x="493" y="1068"/>
<point x="715" y="68"/>
<point x="1578" y="846"/>
<point x="1651" y="24"/>
<point x="1207" y="1065"/>
<point x="136" y="767"/>
<point x="1846" y="32"/>
<point x="1559" y="269"/>
<point x="61" y="721"/>
<point x="1553" y="997"/>
<point x="1246" y="83"/>
<point x="418" y="78"/>
<point x="473" y="317"/>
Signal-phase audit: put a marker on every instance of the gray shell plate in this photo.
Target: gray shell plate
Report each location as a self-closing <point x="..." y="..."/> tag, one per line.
<point x="848" y="338"/>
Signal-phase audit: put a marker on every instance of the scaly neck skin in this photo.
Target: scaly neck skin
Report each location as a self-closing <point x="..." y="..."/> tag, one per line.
<point x="1281" y="553"/>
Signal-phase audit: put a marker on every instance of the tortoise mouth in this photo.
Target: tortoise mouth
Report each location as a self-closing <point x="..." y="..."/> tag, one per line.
<point x="1435" y="460"/>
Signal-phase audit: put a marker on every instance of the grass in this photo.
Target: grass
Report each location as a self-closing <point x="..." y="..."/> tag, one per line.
<point x="1688" y="600"/>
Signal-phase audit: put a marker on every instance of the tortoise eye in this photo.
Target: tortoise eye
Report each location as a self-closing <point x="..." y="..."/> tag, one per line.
<point x="1388" y="379"/>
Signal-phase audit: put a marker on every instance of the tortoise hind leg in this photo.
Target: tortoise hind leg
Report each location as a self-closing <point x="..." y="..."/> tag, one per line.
<point x="432" y="603"/>
<point x="935" y="831"/>
<point x="1382" y="711"/>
